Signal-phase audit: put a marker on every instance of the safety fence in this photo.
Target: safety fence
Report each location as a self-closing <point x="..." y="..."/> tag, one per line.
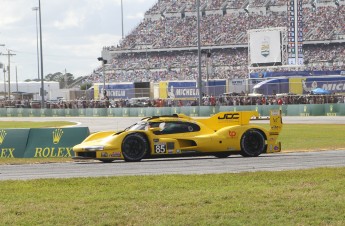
<point x="41" y="142"/>
<point x="287" y="110"/>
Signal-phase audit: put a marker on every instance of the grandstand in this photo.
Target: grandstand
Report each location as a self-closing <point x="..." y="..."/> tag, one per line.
<point x="164" y="45"/>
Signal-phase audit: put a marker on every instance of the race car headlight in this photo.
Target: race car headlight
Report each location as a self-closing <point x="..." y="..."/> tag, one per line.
<point x="94" y="148"/>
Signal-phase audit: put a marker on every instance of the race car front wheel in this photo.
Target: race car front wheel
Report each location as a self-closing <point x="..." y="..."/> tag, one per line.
<point x="252" y="143"/>
<point x="134" y="147"/>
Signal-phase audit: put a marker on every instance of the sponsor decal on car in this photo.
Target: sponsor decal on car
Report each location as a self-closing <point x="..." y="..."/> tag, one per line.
<point x="115" y="154"/>
<point x="274" y="148"/>
<point x="229" y="116"/>
<point x="232" y="134"/>
<point x="160" y="148"/>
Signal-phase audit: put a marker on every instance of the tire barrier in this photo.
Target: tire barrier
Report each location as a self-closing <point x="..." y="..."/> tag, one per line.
<point x="41" y="143"/>
<point x="194" y="111"/>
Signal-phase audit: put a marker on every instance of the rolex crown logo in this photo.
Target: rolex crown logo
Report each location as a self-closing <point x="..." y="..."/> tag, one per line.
<point x="2" y="136"/>
<point x="57" y="134"/>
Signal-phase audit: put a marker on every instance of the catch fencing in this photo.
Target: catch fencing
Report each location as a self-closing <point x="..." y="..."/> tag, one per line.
<point x="335" y="109"/>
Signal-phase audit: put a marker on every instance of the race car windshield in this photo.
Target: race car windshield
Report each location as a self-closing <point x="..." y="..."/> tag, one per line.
<point x="138" y="126"/>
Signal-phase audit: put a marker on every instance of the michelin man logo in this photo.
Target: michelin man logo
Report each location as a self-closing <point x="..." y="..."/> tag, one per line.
<point x="57" y="134"/>
<point x="2" y="136"/>
<point x="171" y="93"/>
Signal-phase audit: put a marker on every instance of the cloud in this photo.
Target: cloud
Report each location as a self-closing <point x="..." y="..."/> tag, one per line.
<point x="70" y="19"/>
<point x="90" y="46"/>
<point x="74" y="32"/>
<point x="10" y="14"/>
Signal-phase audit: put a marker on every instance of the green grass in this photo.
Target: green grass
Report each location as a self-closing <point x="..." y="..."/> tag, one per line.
<point x="19" y="161"/>
<point x="304" y="197"/>
<point x="28" y="124"/>
<point x="312" y="137"/>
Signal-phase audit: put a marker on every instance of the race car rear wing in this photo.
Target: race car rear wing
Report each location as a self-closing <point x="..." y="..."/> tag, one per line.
<point x="222" y="119"/>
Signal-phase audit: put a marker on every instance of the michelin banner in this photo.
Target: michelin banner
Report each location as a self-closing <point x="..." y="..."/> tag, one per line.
<point x="190" y="90"/>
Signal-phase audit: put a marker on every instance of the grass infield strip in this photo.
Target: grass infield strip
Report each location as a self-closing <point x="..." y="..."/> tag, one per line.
<point x="28" y="124"/>
<point x="303" y="197"/>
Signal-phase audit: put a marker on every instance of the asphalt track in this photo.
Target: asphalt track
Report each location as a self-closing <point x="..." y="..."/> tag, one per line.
<point x="195" y="165"/>
<point x="202" y="165"/>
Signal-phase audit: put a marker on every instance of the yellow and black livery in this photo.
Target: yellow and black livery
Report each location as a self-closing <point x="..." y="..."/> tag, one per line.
<point x="220" y="135"/>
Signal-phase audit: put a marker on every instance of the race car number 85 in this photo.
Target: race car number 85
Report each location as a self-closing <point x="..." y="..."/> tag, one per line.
<point x="160" y="148"/>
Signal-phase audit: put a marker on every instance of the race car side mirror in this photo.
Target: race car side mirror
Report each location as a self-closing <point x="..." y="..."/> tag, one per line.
<point x="155" y="129"/>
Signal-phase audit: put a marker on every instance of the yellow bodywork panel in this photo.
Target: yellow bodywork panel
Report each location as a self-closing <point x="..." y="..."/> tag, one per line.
<point x="222" y="134"/>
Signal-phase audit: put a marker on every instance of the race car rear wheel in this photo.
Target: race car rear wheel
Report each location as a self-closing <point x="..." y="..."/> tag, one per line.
<point x="134" y="147"/>
<point x="252" y="143"/>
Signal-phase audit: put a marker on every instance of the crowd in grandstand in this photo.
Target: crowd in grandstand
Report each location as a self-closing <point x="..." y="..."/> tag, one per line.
<point x="223" y="100"/>
<point x="166" y="28"/>
<point x="221" y="64"/>
<point x="163" y="48"/>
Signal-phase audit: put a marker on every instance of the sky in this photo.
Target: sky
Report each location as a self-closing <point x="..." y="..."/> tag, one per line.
<point x="73" y="33"/>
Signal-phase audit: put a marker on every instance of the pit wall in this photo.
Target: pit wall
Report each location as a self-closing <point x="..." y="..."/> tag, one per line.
<point x="287" y="110"/>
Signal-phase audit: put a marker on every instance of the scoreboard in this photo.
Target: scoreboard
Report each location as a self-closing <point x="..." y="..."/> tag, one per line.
<point x="295" y="32"/>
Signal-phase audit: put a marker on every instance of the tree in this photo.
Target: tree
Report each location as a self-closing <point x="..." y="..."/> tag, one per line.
<point x="86" y="86"/>
<point x="64" y="79"/>
<point x="32" y="80"/>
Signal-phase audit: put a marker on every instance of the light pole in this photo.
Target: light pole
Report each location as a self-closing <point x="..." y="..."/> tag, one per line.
<point x="4" y="81"/>
<point x="199" y="54"/>
<point x="122" y="17"/>
<point x="38" y="57"/>
<point x="9" y="80"/>
<point x="42" y="83"/>
<point x="103" y="69"/>
<point x="9" y="54"/>
<point x="3" y="65"/>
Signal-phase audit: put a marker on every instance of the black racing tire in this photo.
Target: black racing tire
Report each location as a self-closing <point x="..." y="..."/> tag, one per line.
<point x="252" y="143"/>
<point x="222" y="155"/>
<point x="134" y="147"/>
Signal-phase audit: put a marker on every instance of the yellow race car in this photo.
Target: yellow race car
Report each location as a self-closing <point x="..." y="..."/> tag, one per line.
<point x="178" y="135"/>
